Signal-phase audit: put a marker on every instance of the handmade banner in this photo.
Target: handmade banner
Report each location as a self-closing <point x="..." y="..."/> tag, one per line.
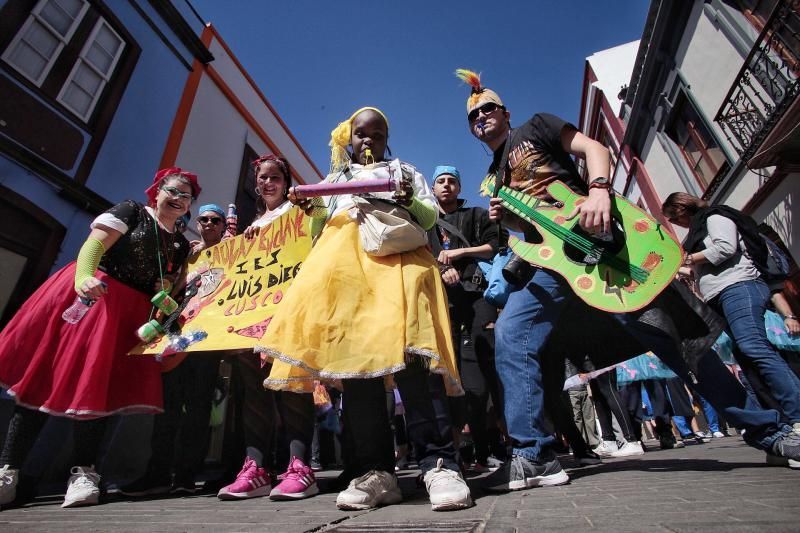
<point x="239" y="283"/>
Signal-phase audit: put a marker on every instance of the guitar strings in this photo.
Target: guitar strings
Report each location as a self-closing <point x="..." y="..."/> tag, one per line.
<point x="518" y="204"/>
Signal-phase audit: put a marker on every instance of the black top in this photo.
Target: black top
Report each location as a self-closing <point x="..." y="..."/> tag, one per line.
<point x="134" y="258"/>
<point x="475" y="226"/>
<point x="536" y="156"/>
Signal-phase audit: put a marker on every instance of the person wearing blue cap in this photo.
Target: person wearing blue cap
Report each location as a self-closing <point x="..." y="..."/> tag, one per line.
<point x="210" y="225"/>
<point x="188" y="391"/>
<point x="461" y="237"/>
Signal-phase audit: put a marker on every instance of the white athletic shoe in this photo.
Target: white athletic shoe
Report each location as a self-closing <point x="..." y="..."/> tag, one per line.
<point x="370" y="490"/>
<point x="606" y="448"/>
<point x="83" y="488"/>
<point x="446" y="489"/>
<point x="9" y="477"/>
<point x="629" y="449"/>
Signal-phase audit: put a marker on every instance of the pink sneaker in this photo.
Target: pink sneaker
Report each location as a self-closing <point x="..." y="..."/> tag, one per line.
<point x="297" y="482"/>
<point x="251" y="482"/>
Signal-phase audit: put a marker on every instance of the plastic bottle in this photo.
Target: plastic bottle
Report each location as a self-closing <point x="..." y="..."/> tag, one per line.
<point x="77" y="310"/>
<point x="232" y="221"/>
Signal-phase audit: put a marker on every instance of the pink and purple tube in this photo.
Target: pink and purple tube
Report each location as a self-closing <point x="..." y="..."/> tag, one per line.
<point x="349" y="187"/>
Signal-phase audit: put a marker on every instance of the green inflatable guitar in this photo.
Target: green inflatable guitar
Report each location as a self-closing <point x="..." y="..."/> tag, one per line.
<point x="618" y="275"/>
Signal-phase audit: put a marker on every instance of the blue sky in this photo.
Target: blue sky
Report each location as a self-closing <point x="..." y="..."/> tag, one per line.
<point x="317" y="61"/>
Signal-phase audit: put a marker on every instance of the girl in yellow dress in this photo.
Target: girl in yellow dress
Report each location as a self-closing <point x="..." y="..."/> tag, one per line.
<point x="369" y="321"/>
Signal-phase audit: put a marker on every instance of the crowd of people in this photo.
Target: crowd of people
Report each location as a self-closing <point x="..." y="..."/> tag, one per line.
<point x="411" y="359"/>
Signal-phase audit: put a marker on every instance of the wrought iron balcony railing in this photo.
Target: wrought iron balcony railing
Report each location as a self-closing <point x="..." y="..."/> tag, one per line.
<point x="766" y="84"/>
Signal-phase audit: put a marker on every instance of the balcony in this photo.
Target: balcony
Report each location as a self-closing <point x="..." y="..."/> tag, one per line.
<point x="761" y="112"/>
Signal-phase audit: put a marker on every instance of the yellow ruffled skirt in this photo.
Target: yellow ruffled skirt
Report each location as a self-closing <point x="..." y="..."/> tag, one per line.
<point x="352" y="315"/>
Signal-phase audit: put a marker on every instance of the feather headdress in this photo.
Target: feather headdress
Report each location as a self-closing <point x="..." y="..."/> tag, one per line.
<point x="480" y="94"/>
<point x="473" y="79"/>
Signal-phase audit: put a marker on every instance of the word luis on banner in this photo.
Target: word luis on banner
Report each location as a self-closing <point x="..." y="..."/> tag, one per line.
<point x="240" y="282"/>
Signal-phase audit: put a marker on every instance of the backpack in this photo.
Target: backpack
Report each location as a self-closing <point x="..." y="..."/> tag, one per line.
<point x="769" y="258"/>
<point x="777" y="266"/>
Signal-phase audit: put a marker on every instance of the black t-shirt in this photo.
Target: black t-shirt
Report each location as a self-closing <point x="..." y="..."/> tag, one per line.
<point x="536" y="157"/>
<point x="134" y="258"/>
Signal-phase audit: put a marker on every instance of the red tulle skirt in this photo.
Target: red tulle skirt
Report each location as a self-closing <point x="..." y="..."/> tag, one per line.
<point x="80" y="370"/>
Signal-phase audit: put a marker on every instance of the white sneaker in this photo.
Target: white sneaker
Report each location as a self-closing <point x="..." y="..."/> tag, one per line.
<point x="446" y="489"/>
<point x="9" y="477"/>
<point x="606" y="448"/>
<point x="83" y="488"/>
<point x="370" y="490"/>
<point x="718" y="435"/>
<point x="629" y="449"/>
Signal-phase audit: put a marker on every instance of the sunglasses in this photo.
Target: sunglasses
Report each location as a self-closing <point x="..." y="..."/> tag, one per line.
<point x="177" y="193"/>
<point x="487" y="108"/>
<point x="206" y="220"/>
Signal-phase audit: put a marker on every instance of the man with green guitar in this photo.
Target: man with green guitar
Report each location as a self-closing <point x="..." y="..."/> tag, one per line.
<point x="613" y="257"/>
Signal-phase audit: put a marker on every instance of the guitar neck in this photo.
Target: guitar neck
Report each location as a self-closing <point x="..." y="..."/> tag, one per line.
<point x="521" y="208"/>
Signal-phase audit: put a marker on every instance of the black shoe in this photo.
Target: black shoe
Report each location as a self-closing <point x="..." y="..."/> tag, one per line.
<point x="146" y="486"/>
<point x="519" y="473"/>
<point x="587" y="458"/>
<point x="669" y="442"/>
<point x="690" y="440"/>
<point x="184" y="485"/>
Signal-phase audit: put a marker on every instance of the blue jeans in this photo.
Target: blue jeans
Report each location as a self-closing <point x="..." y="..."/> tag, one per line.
<point x="684" y="426"/>
<point x="522" y="331"/>
<point x="743" y="304"/>
<point x="711" y="414"/>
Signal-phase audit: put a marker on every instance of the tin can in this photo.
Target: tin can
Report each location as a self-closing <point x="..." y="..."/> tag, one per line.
<point x="149" y="331"/>
<point x="164" y="302"/>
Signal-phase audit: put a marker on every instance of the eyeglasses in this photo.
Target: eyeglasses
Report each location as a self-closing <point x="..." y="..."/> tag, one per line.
<point x="206" y="220"/>
<point x="487" y="108"/>
<point x="176" y="193"/>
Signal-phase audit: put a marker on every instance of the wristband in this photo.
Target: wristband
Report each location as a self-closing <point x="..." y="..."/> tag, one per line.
<point x="790" y="317"/>
<point x="600" y="183"/>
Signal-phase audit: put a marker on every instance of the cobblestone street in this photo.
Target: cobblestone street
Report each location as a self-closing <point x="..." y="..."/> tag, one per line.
<point x="720" y="486"/>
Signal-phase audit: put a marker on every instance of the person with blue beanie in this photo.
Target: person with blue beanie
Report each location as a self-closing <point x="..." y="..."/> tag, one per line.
<point x="210" y="225"/>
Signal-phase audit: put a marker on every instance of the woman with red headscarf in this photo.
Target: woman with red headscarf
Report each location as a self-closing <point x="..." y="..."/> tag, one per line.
<point x="78" y="368"/>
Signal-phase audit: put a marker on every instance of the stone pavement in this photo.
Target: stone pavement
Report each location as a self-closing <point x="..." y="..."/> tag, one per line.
<point x="720" y="486"/>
